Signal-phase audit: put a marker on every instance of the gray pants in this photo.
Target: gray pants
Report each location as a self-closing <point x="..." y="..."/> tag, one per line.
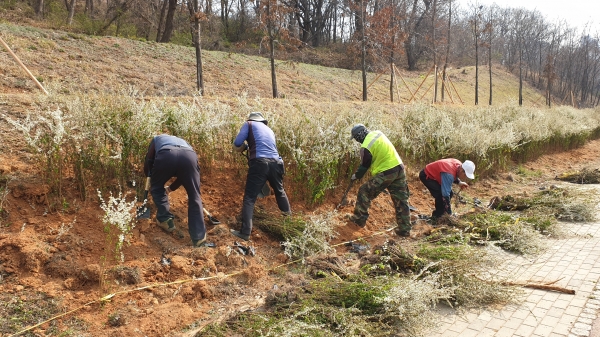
<point x="182" y="163"/>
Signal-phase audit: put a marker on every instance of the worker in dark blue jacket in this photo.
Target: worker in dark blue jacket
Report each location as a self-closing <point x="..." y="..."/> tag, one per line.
<point x="264" y="163"/>
<point x="167" y="157"/>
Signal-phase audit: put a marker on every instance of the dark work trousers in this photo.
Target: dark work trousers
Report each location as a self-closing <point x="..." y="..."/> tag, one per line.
<point x="395" y="183"/>
<point x="180" y="162"/>
<point x="260" y="171"/>
<point x="436" y="192"/>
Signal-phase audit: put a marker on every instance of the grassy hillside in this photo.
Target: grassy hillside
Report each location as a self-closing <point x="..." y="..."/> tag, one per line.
<point x="68" y="63"/>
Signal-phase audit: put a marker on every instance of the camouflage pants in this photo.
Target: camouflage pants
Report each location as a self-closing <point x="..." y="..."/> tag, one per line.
<point x="396" y="184"/>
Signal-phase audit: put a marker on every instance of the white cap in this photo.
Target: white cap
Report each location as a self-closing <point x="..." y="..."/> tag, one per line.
<point x="469" y="168"/>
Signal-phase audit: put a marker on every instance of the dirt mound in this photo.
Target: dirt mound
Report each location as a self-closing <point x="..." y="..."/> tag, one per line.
<point x="24" y="252"/>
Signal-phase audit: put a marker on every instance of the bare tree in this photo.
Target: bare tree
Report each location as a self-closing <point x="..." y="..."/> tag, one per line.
<point x="39" y="9"/>
<point x="413" y="46"/>
<point x="475" y="30"/>
<point x="166" y="36"/>
<point x="196" y="15"/>
<point x="70" y="10"/>
<point x="447" y="48"/>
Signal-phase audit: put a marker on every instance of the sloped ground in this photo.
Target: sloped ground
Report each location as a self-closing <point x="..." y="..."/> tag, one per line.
<point x="68" y="62"/>
<point x="54" y="255"/>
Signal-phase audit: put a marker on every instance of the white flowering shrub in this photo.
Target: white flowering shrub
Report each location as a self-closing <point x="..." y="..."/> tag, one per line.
<point x="104" y="137"/>
<point x="118" y="219"/>
<point x="48" y="133"/>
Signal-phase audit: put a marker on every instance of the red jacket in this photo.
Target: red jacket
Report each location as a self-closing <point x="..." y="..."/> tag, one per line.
<point x="448" y="165"/>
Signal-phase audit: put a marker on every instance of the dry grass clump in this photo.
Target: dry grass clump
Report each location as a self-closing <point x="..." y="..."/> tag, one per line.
<point x="458" y="268"/>
<point x="583" y="176"/>
<point x="318" y="231"/>
<point x="281" y="227"/>
<point x="26" y="308"/>
<point x="505" y="230"/>
<point x="334" y="307"/>
<point x="563" y="204"/>
<point x="468" y="272"/>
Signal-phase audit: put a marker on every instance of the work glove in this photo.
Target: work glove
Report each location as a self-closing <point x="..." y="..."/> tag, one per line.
<point x="168" y="189"/>
<point x="353" y="177"/>
<point x="447" y="206"/>
<point x="240" y="148"/>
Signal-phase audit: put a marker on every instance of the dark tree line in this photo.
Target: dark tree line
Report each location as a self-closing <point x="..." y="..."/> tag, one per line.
<point x="371" y="35"/>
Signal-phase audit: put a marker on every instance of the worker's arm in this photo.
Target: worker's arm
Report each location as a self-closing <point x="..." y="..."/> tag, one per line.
<point x="149" y="161"/>
<point x="447" y="180"/>
<point x="365" y="163"/>
<point x="239" y="144"/>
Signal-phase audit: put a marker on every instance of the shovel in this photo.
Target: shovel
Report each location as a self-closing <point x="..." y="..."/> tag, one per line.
<point x="265" y="191"/>
<point x="213" y="220"/>
<point x="143" y="212"/>
<point x="344" y="198"/>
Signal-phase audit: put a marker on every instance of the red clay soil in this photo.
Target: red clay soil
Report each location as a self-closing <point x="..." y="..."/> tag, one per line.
<point x="61" y="252"/>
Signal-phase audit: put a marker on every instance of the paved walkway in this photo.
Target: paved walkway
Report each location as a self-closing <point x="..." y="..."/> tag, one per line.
<point x="575" y="262"/>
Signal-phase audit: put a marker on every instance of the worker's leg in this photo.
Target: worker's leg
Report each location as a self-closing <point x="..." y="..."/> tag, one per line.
<point x="399" y="193"/>
<point x="162" y="171"/>
<point x="189" y="175"/>
<point x="435" y="189"/>
<point x="275" y="178"/>
<point x="256" y="178"/>
<point x="367" y="192"/>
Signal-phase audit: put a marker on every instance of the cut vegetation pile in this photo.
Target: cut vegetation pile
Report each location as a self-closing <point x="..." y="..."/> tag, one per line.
<point x="585" y="176"/>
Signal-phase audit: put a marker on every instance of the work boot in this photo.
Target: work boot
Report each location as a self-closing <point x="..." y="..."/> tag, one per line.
<point x="199" y="243"/>
<point x="402" y="233"/>
<point x="245" y="237"/>
<point x="169" y="227"/>
<point x="354" y="220"/>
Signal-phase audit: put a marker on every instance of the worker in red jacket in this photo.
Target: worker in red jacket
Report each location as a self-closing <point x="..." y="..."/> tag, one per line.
<point x="439" y="176"/>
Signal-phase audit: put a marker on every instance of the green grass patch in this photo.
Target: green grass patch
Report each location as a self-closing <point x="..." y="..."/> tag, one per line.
<point x="27" y="308"/>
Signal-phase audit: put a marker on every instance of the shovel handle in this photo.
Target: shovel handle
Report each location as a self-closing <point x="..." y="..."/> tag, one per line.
<point x="342" y="203"/>
<point x="147" y="187"/>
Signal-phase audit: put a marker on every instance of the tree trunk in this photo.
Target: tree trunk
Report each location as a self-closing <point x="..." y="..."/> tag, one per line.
<point x="166" y="37"/>
<point x="272" y="50"/>
<point x="490" y="70"/>
<point x="491" y="35"/>
<point x="162" y="18"/>
<point x="447" y="49"/>
<point x="435" y="79"/>
<point x="393" y="44"/>
<point x="520" y="74"/>
<point x="476" y="61"/>
<point x="121" y="9"/>
<point x="89" y="8"/>
<point x="363" y="43"/>
<point x="196" y="39"/>
<point x="39" y="9"/>
<point x="71" y="9"/>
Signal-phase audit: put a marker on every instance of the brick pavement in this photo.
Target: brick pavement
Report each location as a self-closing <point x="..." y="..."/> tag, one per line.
<point x="574" y="262"/>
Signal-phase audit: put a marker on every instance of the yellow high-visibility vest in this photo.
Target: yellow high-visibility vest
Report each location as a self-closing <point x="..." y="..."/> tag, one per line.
<point x="383" y="151"/>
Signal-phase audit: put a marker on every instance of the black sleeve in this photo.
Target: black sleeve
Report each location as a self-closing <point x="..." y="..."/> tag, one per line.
<point x="149" y="162"/>
<point x="365" y="163"/>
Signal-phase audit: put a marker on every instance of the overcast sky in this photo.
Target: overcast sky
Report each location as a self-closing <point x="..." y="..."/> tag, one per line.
<point x="576" y="12"/>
